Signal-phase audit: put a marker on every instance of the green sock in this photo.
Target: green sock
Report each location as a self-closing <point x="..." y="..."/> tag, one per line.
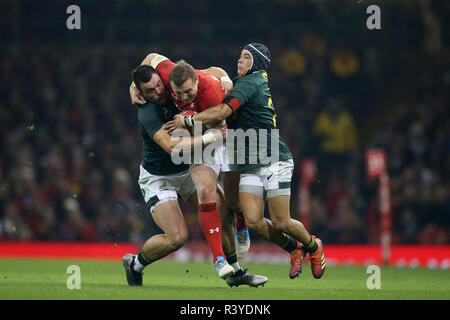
<point x="311" y="246"/>
<point x="232" y="260"/>
<point x="289" y="244"/>
<point x="142" y="258"/>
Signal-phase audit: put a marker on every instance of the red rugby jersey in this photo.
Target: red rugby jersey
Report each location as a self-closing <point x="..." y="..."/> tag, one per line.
<point x="209" y="93"/>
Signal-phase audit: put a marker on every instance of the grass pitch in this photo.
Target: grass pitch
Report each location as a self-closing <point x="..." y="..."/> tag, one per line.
<point x="22" y="279"/>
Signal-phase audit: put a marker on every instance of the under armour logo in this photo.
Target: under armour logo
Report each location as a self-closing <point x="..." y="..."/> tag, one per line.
<point x="214" y="230"/>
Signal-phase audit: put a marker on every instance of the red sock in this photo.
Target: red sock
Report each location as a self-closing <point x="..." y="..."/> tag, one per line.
<point x="209" y="219"/>
<point x="240" y="221"/>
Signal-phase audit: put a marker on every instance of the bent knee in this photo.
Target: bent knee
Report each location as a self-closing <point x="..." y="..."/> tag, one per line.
<point x="283" y="225"/>
<point x="254" y="224"/>
<point x="206" y="193"/>
<point x="178" y="240"/>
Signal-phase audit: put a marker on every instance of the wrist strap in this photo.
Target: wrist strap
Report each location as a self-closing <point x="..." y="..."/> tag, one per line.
<point x="189" y="121"/>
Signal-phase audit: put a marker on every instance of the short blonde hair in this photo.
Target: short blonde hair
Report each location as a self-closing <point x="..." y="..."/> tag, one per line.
<point x="180" y="72"/>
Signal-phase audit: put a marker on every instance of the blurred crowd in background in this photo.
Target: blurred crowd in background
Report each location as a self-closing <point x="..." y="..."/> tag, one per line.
<point x="70" y="147"/>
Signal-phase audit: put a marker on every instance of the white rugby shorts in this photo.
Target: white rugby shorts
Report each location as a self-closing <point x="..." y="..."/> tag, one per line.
<point x="160" y="189"/>
<point x="220" y="163"/>
<point x="269" y="181"/>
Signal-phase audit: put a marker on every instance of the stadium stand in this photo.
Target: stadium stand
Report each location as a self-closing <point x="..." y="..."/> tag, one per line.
<point x="70" y="146"/>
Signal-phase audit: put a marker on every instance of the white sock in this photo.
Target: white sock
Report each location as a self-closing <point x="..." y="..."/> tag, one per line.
<point x="236" y="266"/>
<point x="138" y="267"/>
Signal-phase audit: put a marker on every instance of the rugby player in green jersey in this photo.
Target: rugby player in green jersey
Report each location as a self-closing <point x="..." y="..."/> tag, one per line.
<point x="250" y="104"/>
<point x="161" y="181"/>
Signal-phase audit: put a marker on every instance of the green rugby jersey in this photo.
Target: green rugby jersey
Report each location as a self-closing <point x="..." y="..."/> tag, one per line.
<point x="151" y="117"/>
<point x="252" y="102"/>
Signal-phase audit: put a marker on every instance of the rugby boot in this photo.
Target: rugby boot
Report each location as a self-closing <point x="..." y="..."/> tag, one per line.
<point x="318" y="264"/>
<point x="223" y="268"/>
<point x="297" y="257"/>
<point x="134" y="278"/>
<point x="242" y="277"/>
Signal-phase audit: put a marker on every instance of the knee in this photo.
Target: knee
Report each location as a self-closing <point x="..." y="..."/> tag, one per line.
<point x="254" y="223"/>
<point x="178" y="240"/>
<point x="206" y="193"/>
<point x="283" y="225"/>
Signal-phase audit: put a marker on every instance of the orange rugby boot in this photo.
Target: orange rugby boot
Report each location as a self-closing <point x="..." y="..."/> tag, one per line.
<point x="318" y="264"/>
<point x="297" y="260"/>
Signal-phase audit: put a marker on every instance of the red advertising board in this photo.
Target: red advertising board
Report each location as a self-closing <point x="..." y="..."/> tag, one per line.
<point x="437" y="256"/>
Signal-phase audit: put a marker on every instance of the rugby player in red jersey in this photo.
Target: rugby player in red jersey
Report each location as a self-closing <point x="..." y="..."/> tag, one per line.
<point x="196" y="90"/>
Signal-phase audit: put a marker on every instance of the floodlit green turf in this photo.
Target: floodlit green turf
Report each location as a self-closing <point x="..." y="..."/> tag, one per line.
<point x="167" y="280"/>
